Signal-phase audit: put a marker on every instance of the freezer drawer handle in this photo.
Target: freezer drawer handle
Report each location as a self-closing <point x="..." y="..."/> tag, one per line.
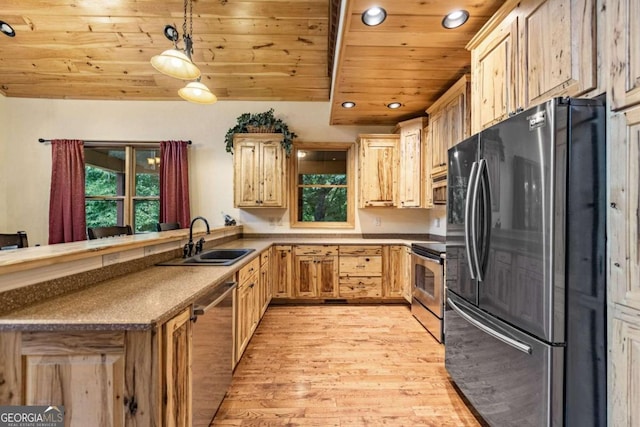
<point x="505" y="339"/>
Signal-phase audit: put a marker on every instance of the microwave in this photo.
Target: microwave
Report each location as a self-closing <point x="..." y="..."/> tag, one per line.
<point x="439" y="189"/>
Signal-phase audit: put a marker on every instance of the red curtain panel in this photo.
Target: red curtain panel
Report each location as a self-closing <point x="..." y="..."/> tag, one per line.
<point x="174" y="183"/>
<point x="67" y="220"/>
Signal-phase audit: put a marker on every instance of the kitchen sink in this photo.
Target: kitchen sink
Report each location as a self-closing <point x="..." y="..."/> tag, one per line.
<point x="212" y="257"/>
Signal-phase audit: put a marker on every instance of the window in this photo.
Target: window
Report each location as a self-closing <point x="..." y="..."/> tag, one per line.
<point x="323" y="185"/>
<point x="122" y="186"/>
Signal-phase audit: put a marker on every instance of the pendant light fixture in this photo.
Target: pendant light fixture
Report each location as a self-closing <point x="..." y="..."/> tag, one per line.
<point x="177" y="62"/>
<point x="198" y="93"/>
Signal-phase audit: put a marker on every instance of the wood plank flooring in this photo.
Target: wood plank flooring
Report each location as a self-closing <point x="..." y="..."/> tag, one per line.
<point x="355" y="365"/>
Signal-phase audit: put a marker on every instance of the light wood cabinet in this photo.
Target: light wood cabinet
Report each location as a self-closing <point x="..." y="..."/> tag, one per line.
<point x="116" y="378"/>
<point x="378" y="169"/>
<point x="316" y="271"/>
<point x="282" y="276"/>
<point x="557" y="49"/>
<point x="248" y="307"/>
<point x="493" y="70"/>
<point x="396" y="272"/>
<point x="623" y="29"/>
<point x="360" y="271"/>
<point x="624" y="369"/>
<point x="625" y="204"/>
<point x="265" y="281"/>
<point x="411" y="169"/>
<point x="177" y="370"/>
<point x="259" y="171"/>
<point x="530" y="52"/>
<point x="449" y="123"/>
<point x="427" y="180"/>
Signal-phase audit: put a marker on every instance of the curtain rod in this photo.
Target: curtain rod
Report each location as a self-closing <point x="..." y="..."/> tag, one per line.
<point x="108" y="142"/>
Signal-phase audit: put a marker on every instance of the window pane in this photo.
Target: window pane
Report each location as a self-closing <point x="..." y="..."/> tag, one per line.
<point x="323" y="179"/>
<point x="104" y="171"/>
<point x="322" y="204"/>
<point x="147" y="213"/>
<point x="104" y="213"/>
<point x="147" y="172"/>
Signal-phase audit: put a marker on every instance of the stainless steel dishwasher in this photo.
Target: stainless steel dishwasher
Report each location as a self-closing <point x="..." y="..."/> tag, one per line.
<point x="212" y="364"/>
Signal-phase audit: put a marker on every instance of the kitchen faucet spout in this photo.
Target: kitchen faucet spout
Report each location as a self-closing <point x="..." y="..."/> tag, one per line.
<point x="188" y="248"/>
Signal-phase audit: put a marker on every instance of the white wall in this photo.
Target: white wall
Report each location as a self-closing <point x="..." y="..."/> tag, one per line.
<point x="25" y="164"/>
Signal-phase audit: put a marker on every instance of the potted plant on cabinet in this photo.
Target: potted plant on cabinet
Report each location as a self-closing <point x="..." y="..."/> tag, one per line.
<point x="260" y="123"/>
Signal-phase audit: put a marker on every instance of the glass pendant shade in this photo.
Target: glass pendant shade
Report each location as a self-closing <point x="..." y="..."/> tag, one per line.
<point x="175" y="63"/>
<point x="198" y="93"/>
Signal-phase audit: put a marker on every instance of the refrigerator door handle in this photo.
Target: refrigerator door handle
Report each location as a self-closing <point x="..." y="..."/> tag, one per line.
<point x="468" y="235"/>
<point x="474" y="219"/>
<point x="485" y="237"/>
<point x="487" y="330"/>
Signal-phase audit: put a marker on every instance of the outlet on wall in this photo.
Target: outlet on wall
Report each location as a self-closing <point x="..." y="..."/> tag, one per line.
<point x="437" y="222"/>
<point x="377" y="221"/>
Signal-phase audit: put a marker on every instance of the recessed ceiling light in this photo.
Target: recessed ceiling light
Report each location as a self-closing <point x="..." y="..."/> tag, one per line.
<point x="374" y="16"/>
<point x="455" y="19"/>
<point x="394" y="105"/>
<point x="348" y="104"/>
<point x="7" y="29"/>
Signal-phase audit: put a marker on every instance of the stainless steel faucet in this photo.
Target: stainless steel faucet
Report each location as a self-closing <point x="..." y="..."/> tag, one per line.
<point x="188" y="248"/>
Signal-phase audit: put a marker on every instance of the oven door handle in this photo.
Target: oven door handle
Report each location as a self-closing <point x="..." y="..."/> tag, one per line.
<point x="468" y="219"/>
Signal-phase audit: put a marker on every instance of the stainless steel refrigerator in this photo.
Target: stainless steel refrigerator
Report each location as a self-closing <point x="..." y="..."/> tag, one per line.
<point x="525" y="319"/>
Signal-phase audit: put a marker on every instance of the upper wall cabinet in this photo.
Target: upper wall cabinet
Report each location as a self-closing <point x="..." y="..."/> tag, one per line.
<point x="259" y="171"/>
<point x="529" y="52"/>
<point x="410" y="179"/>
<point x="378" y="169"/>
<point x="493" y="59"/>
<point x="449" y="123"/>
<point x="624" y="50"/>
<point x="557" y="46"/>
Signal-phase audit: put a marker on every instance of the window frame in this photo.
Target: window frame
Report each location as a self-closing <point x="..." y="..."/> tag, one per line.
<point x="129" y="198"/>
<point x="349" y="148"/>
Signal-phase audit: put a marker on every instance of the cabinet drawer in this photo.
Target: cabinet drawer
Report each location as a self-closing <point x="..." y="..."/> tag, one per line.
<point x="248" y="270"/>
<point x="360" y="250"/>
<point x="360" y="266"/>
<point x="265" y="256"/>
<point x="360" y="287"/>
<point x="316" y="250"/>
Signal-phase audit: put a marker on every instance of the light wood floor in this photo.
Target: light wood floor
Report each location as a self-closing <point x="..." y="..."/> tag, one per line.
<point x="355" y="365"/>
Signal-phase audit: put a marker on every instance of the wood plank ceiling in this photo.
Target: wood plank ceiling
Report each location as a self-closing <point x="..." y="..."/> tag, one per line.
<point x="272" y="50"/>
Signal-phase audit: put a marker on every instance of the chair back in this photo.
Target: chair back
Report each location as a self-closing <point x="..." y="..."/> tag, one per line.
<point x="14" y="241"/>
<point x="100" y="232"/>
<point x="164" y="226"/>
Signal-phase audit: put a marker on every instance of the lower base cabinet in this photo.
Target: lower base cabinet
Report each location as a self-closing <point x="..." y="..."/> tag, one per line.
<point x="114" y="378"/>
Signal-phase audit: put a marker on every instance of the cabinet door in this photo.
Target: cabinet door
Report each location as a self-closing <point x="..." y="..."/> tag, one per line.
<point x="624" y="369"/>
<point x="306" y="276"/>
<point x="557" y="49"/>
<point x="378" y="170"/>
<point x="427" y="180"/>
<point x="623" y="30"/>
<point x="623" y="215"/>
<point x="265" y="286"/>
<point x="457" y="123"/>
<point x="84" y="372"/>
<point x="438" y="129"/>
<point x="394" y="276"/>
<point x="246" y="180"/>
<point x="494" y="75"/>
<point x="244" y="318"/>
<point x="271" y="175"/>
<point x="327" y="277"/>
<point x="282" y="272"/>
<point x="177" y="370"/>
<point x="410" y="155"/>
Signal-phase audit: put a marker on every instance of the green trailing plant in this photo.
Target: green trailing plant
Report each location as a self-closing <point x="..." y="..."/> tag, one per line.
<point x="261" y="123"/>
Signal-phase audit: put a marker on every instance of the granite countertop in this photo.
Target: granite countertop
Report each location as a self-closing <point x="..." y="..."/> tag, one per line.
<point x="149" y="297"/>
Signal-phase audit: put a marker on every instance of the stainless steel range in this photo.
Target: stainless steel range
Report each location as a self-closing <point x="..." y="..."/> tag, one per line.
<point x="427" y="278"/>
